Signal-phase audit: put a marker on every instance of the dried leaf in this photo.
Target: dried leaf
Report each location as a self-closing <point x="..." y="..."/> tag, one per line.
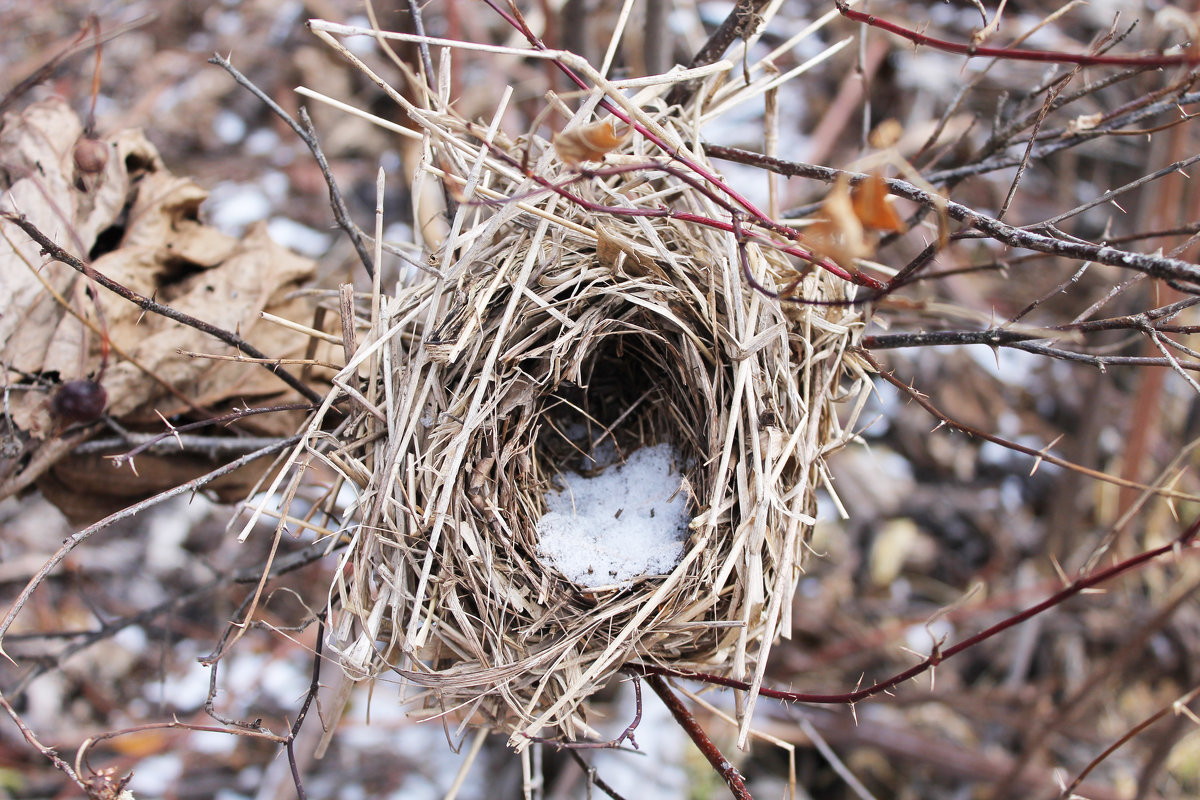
<point x="617" y="252"/>
<point x="164" y="251"/>
<point x="590" y="142"/>
<point x="1084" y="122"/>
<point x="851" y="218"/>
<point x="886" y="134"/>
<point x="839" y="235"/>
<point x="871" y="206"/>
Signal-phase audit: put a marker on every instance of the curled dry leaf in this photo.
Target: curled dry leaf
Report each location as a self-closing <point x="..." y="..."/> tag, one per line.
<point x="139" y="225"/>
<point x="850" y="220"/>
<point x="871" y="206"/>
<point x="591" y="142"/>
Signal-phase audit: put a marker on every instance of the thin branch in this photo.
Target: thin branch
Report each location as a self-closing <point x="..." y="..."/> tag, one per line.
<point x="304" y="129"/>
<point x="1010" y="54"/>
<point x="50" y="248"/>
<point x="48" y="752"/>
<point x="1176" y="708"/>
<point x="593" y="776"/>
<point x="733" y="779"/>
<point x="76" y="539"/>
<point x="145" y="441"/>
<point x="85" y="639"/>
<point x="1155" y="266"/>
<point x="1185" y="543"/>
<point x="736" y="24"/>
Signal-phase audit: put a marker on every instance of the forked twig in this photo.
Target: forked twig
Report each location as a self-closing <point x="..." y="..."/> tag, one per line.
<point x="304" y="129"/>
<point x="723" y="766"/>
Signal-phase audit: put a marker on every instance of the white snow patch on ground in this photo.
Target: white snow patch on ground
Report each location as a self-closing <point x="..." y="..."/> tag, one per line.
<point x="628" y="521"/>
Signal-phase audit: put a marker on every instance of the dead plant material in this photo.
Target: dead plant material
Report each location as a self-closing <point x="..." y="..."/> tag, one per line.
<point x="553" y="314"/>
<point x="590" y="142"/>
<point x="136" y="223"/>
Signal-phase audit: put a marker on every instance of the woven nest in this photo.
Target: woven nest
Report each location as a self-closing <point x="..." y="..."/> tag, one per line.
<point x="547" y="317"/>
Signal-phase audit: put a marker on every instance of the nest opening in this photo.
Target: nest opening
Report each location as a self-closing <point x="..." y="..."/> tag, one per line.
<point x="629" y="400"/>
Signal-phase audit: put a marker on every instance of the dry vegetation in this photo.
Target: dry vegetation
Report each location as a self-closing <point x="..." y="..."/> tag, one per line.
<point x="930" y="383"/>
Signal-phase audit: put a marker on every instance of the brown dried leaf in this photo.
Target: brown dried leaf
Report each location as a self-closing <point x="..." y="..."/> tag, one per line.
<point x="590" y="142"/>
<point x="871" y="206"/>
<point x="164" y="252"/>
<point x="850" y="220"/>
<point x="839" y="235"/>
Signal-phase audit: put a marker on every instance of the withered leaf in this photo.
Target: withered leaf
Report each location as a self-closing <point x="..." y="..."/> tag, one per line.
<point x="590" y="142"/>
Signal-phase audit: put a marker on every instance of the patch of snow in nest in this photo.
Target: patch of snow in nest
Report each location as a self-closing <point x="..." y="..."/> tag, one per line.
<point x="628" y="521"/>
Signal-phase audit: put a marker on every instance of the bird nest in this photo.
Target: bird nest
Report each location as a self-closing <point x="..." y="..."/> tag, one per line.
<point x="549" y="328"/>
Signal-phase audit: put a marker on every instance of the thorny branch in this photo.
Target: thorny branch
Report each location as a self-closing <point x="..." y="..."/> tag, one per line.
<point x="728" y="772"/>
<point x="304" y="129"/>
<point x="1184" y="544"/>
<point x="1039" y="455"/>
<point x="1169" y="269"/>
<point x="78" y="538"/>
<point x="1012" y="54"/>
<point x="57" y="253"/>
<point x="81" y="640"/>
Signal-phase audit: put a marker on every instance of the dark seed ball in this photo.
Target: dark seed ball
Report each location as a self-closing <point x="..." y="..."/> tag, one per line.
<point x="79" y="401"/>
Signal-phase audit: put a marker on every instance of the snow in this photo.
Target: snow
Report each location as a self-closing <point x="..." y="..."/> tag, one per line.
<point x="630" y="520"/>
<point x="156" y="775"/>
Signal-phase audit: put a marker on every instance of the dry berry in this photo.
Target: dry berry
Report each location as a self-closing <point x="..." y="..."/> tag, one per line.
<point x="79" y="401"/>
<point x="91" y="155"/>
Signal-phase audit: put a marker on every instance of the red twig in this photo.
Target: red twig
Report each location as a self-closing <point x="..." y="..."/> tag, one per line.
<point x="938" y="655"/>
<point x="733" y="778"/>
<point x="1008" y="53"/>
<point x="514" y="18"/>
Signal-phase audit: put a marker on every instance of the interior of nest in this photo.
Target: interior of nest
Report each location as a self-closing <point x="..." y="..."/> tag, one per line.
<point x="632" y="394"/>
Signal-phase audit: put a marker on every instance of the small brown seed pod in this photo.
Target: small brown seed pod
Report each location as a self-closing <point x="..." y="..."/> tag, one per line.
<point x="91" y="155"/>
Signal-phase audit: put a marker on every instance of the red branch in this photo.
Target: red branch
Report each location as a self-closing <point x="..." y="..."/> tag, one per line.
<point x="513" y="17"/>
<point x="938" y="655"/>
<point x="1011" y="54"/>
<point x="733" y="778"/>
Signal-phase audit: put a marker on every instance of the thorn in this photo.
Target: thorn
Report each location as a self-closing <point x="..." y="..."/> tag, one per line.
<point x="1062" y="575"/>
<point x="1118" y="205"/>
<point x="1037" y="462"/>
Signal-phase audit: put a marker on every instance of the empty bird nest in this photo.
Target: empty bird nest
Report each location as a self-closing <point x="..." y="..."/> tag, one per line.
<point x="555" y="329"/>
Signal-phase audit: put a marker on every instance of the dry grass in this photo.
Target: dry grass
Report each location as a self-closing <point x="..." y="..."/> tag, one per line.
<point x="542" y="313"/>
